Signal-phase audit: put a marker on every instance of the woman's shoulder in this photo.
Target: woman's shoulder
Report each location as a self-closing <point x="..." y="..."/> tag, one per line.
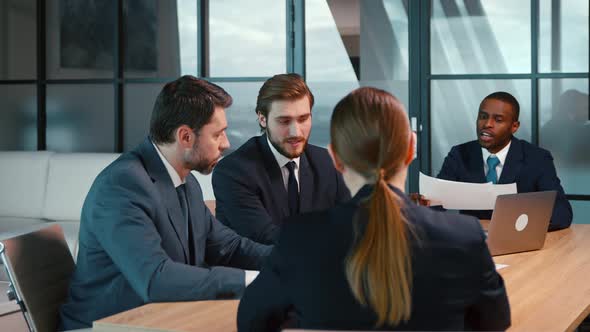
<point x="446" y="226"/>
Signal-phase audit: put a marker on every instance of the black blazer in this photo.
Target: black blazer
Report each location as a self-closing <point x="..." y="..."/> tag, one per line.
<point x="529" y="166"/>
<point x="456" y="285"/>
<point x="134" y="248"/>
<point x="250" y="193"/>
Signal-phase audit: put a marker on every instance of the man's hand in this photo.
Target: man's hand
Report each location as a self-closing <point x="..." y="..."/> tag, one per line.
<point x="419" y="199"/>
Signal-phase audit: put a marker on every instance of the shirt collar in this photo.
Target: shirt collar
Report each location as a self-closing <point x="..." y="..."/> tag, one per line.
<point x="281" y="160"/>
<point x="501" y="154"/>
<point x="171" y="171"/>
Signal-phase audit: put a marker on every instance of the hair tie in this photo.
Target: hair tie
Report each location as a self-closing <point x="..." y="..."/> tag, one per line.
<point x="380" y="175"/>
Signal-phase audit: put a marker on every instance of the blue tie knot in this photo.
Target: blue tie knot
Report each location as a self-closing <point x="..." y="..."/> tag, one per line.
<point x="492" y="175"/>
<point x="493" y="161"/>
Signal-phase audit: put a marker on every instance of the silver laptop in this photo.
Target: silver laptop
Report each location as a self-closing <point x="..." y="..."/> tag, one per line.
<point x="520" y="221"/>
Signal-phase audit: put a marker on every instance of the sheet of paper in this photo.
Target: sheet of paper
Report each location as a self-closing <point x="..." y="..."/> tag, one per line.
<point x="462" y="195"/>
<point x="500" y="266"/>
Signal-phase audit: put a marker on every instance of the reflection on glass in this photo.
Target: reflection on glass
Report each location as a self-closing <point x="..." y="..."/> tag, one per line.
<point x="475" y="37"/>
<point x="351" y="44"/>
<point x="247" y="38"/>
<point x="565" y="130"/>
<point x="563" y="36"/>
<point x="242" y="121"/>
<point x="80" y="39"/>
<point x="454" y="107"/>
<point x="152" y="36"/>
<point x="139" y="103"/>
<point x="80" y="118"/>
<point x="18" y="117"/>
<point x="18" y="47"/>
<point x="188" y="29"/>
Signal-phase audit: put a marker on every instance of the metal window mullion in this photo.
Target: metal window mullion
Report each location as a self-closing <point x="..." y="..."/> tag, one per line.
<point x="119" y="56"/>
<point x="534" y="71"/>
<point x="425" y="79"/>
<point x="41" y="77"/>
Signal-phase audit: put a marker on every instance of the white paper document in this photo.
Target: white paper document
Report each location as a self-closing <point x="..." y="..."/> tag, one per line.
<point x="462" y="195"/>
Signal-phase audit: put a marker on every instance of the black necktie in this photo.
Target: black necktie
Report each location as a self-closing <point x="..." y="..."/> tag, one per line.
<point x="292" y="189"/>
<point x="181" y="191"/>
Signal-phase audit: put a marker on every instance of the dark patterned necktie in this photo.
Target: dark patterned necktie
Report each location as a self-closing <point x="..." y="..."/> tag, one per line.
<point x="181" y="191"/>
<point x="292" y="189"/>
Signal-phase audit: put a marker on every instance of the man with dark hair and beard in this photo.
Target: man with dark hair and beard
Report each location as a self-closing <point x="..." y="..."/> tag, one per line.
<point x="277" y="174"/>
<point x="145" y="232"/>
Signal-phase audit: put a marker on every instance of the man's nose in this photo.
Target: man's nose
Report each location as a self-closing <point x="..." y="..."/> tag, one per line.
<point x="224" y="143"/>
<point x="294" y="129"/>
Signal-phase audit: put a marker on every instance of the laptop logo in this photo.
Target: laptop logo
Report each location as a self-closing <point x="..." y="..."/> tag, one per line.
<point x="521" y="222"/>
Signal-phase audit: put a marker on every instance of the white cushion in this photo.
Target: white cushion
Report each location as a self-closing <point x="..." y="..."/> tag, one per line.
<point x="69" y="179"/>
<point x="23" y="178"/>
<point x="206" y="185"/>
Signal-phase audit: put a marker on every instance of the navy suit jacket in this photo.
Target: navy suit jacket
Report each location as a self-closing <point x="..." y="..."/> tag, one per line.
<point x="250" y="193"/>
<point x="133" y="246"/>
<point x="529" y="166"/>
<point x="455" y="283"/>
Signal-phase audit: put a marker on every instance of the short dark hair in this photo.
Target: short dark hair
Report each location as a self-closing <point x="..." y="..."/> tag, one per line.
<point x="281" y="87"/>
<point x="186" y="101"/>
<point x="507" y="98"/>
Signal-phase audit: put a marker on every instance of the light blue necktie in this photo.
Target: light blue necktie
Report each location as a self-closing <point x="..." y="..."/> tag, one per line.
<point x="492" y="162"/>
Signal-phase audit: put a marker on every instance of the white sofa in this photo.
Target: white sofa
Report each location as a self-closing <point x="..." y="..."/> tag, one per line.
<point x="41" y="187"/>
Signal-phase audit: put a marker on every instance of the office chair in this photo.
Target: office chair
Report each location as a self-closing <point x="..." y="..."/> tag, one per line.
<point x="39" y="266"/>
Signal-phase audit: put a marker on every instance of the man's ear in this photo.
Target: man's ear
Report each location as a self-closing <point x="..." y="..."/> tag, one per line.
<point x="184" y="136"/>
<point x="515" y="126"/>
<point x="412" y="149"/>
<point x="338" y="165"/>
<point x="262" y="120"/>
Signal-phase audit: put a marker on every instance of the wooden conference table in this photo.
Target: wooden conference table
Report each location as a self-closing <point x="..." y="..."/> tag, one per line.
<point x="548" y="289"/>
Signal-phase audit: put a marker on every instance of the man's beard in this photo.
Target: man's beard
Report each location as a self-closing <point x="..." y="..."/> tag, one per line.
<point x="193" y="160"/>
<point x="281" y="150"/>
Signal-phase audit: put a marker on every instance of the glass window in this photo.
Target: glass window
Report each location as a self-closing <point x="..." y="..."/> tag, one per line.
<point x="351" y="44"/>
<point x="475" y="37"/>
<point x="564" y="120"/>
<point x="242" y="121"/>
<point x="80" y="39"/>
<point x="139" y="103"/>
<point x="18" y="117"/>
<point x="80" y="118"/>
<point x="18" y="35"/>
<point x="581" y="211"/>
<point x="160" y="38"/>
<point x="563" y="36"/>
<point x="247" y="38"/>
<point x="454" y="108"/>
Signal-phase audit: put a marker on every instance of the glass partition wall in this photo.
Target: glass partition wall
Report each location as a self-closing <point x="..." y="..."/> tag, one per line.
<point x="83" y="76"/>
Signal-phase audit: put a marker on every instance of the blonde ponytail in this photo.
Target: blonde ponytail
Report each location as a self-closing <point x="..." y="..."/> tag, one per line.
<point x="379" y="269"/>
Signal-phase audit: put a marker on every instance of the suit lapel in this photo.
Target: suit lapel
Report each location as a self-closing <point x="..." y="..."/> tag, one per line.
<point x="305" y="185"/>
<point x="513" y="162"/>
<point x="157" y="171"/>
<point x="274" y="174"/>
<point x="475" y="163"/>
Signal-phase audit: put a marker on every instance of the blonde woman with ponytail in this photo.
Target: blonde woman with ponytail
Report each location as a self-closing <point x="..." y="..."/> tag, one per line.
<point x="377" y="261"/>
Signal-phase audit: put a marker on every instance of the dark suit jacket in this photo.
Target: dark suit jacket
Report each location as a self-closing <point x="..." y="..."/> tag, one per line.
<point x="133" y="248"/>
<point x="251" y="196"/>
<point x="529" y="166"/>
<point x="456" y="285"/>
